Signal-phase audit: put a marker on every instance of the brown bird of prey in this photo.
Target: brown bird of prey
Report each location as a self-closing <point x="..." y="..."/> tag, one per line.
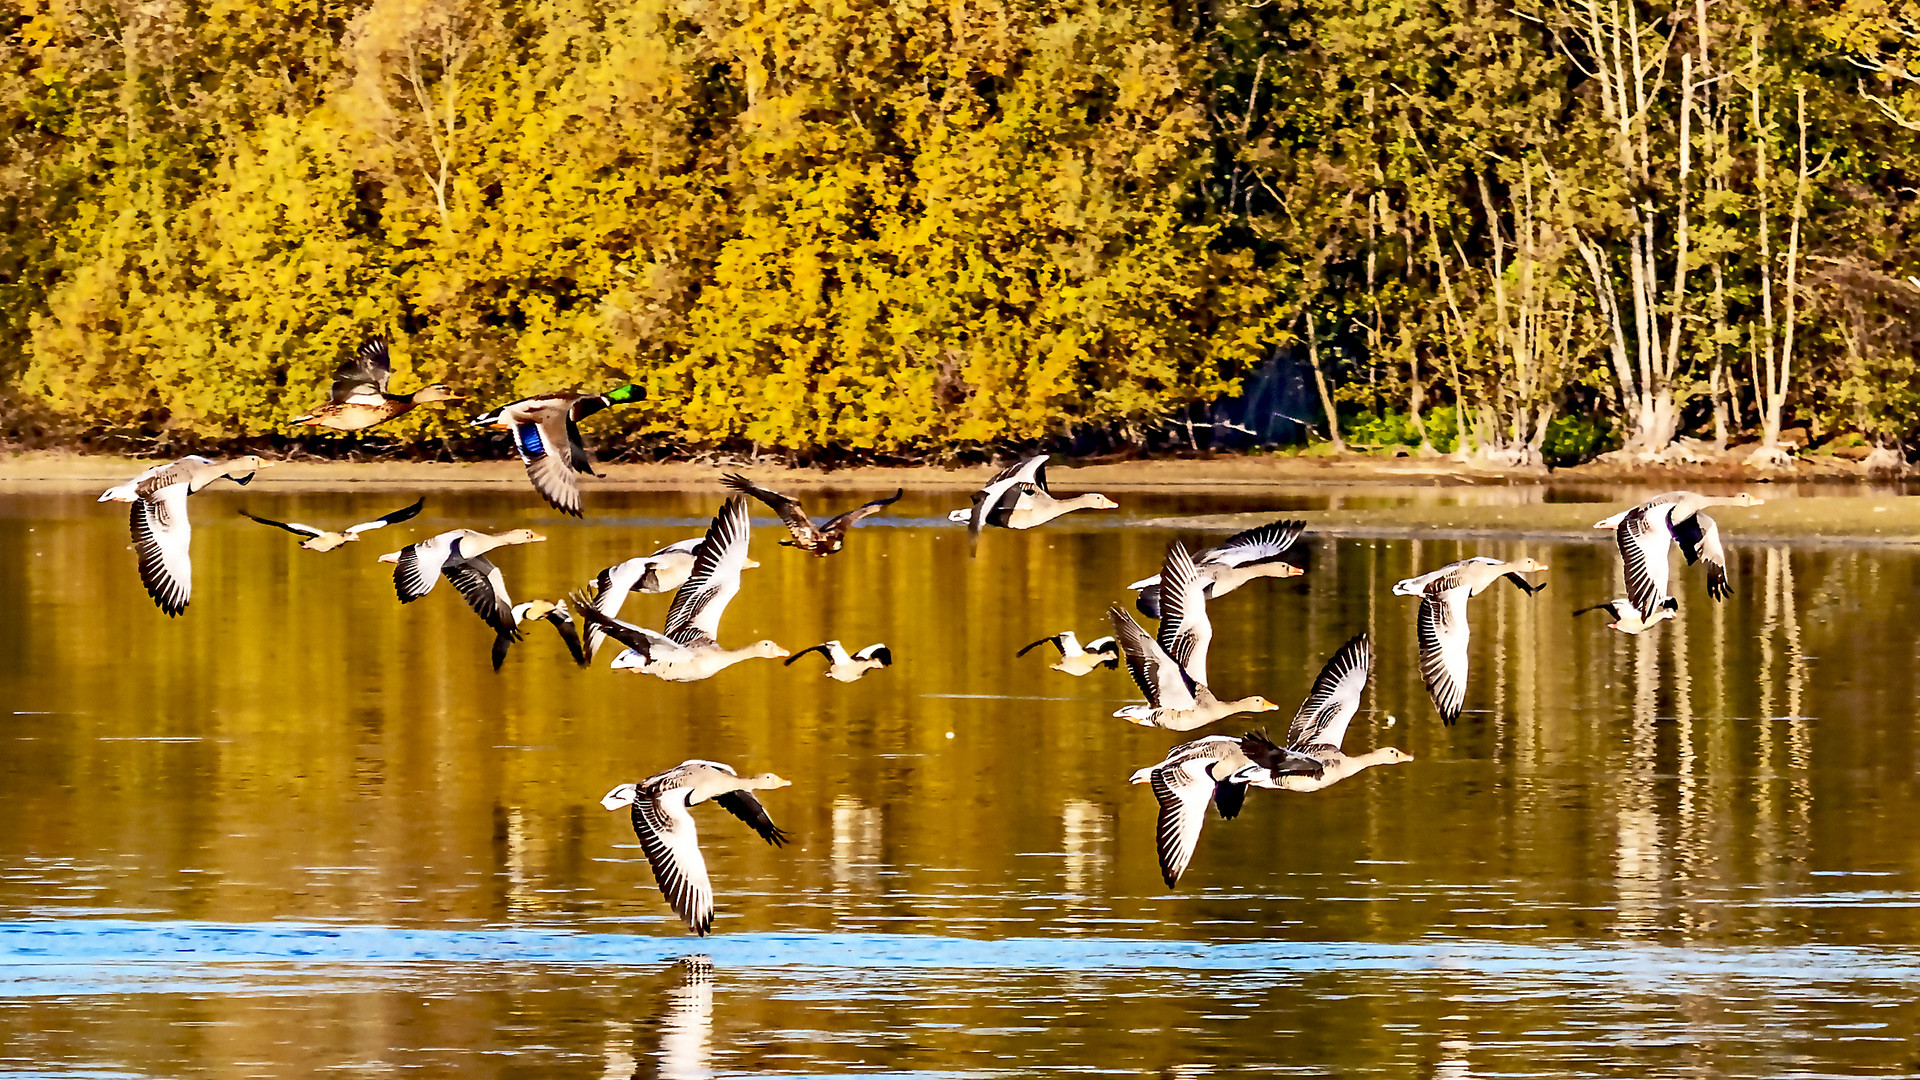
<point x="823" y="539"/>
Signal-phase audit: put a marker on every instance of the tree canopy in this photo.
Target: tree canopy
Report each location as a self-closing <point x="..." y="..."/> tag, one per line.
<point x="901" y="227"/>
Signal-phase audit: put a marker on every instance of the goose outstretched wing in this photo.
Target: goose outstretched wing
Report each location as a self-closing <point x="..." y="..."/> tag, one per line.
<point x="1443" y="636"/>
<point x="162" y="536"/>
<point x="394" y="518"/>
<point x="1183" y="789"/>
<point x="1166" y="684"/>
<point x="1184" y="628"/>
<point x="1335" y="697"/>
<point x="672" y="846"/>
<point x="1645" y="536"/>
<point x="715" y="578"/>
<point x="1257" y="546"/>
<point x="743" y="805"/>
<point x="1699" y="538"/>
<point x="484" y="588"/>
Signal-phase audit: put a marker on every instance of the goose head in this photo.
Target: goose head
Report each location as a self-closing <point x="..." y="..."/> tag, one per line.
<point x="767" y="780"/>
<point x="1256" y="703"/>
<point x="1744" y="499"/>
<point x="768" y="649"/>
<point x="619" y="797"/>
<point x="1393" y="755"/>
<point x="1525" y="566"/>
<point x="520" y="536"/>
<point x="1097" y="501"/>
<point x="241" y="469"/>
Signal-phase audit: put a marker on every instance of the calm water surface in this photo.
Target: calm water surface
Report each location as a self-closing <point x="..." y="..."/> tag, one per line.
<point x="304" y="830"/>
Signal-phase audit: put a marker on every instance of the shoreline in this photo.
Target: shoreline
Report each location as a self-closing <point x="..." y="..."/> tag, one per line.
<point x="1199" y="473"/>
<point x="1853" y="520"/>
<point x="1363" y="499"/>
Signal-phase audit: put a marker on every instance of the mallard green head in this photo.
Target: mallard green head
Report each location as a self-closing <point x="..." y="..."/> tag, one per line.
<point x="626" y="395"/>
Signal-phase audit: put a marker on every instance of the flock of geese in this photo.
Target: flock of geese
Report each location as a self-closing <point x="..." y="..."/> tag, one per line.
<point x="704" y="574"/>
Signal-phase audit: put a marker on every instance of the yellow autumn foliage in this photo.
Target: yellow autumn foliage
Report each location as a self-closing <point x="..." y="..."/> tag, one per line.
<point x="877" y="225"/>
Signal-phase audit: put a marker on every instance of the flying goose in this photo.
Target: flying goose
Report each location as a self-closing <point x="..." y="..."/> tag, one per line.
<point x="844" y="668"/>
<point x="1074" y="660"/>
<point x="663" y="571"/>
<point x="1256" y="553"/>
<point x="823" y="539"/>
<point x="1626" y="617"/>
<point x="162" y="535"/>
<point x="669" y="838"/>
<point x="359" y="398"/>
<point x="1442" y="622"/>
<point x="1645" y="533"/>
<point x="552" y="611"/>
<point x="461" y="556"/>
<point x="1175" y="700"/>
<point x="1215" y="769"/>
<point x="1321" y="724"/>
<point x="322" y="540"/>
<point x="1017" y="498"/>
<point x="546" y="432"/>
<point x="688" y="650"/>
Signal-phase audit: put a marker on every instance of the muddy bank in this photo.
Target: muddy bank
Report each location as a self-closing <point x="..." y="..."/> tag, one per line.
<point x="1859" y="517"/>
<point x="1384" y="476"/>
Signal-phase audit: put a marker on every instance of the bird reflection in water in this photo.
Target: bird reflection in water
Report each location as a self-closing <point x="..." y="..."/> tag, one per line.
<point x="685" y="1042"/>
<point x="1452" y="1062"/>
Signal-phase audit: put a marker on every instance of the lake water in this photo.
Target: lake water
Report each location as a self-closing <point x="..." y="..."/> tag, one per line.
<point x="302" y="830"/>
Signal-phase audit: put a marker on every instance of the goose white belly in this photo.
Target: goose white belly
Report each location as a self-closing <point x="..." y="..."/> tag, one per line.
<point x="1080" y="665"/>
<point x="692" y="667"/>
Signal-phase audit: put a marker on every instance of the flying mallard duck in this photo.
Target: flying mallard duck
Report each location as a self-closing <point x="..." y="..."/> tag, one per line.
<point x="546" y="432"/>
<point x="359" y="399"/>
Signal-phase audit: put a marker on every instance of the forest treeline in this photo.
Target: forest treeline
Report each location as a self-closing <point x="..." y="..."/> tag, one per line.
<point x="900" y="227"/>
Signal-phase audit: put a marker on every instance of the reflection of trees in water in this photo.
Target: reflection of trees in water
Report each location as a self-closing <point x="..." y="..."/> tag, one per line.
<point x="1782" y="659"/>
<point x="1714" y="761"/>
